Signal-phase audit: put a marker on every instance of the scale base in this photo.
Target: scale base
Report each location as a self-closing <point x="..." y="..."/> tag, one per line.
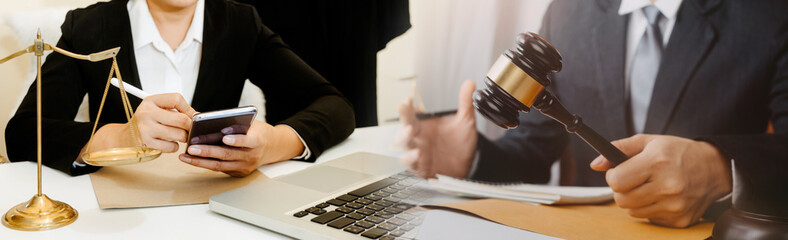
<point x="38" y="214"/>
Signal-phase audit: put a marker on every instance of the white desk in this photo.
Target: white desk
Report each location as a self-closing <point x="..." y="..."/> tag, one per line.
<point x="18" y="184"/>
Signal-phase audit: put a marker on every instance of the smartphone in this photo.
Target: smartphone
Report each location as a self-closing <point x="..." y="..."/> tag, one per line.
<point x="208" y="128"/>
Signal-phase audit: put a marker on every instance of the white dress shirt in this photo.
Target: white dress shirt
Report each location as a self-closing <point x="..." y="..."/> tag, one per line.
<point x="637" y="27"/>
<point x="162" y="70"/>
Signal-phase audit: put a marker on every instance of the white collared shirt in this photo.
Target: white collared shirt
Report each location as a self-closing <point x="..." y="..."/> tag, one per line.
<point x="160" y="69"/>
<point x="638" y="24"/>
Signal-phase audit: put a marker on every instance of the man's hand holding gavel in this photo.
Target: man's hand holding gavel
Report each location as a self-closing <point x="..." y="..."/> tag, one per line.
<point x="669" y="180"/>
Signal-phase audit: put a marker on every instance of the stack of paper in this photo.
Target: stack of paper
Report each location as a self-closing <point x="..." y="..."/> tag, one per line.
<point x="531" y="193"/>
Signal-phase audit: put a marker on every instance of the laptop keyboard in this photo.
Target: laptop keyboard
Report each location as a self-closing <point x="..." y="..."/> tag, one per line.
<point x="385" y="209"/>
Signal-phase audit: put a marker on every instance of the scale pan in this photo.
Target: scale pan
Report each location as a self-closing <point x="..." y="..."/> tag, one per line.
<point x="121" y="156"/>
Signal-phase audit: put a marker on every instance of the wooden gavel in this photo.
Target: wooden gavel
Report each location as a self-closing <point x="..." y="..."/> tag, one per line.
<point x="517" y="81"/>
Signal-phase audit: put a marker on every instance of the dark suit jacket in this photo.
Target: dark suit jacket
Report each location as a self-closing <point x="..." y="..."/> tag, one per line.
<point x="236" y="47"/>
<point x="723" y="77"/>
<point x="340" y="40"/>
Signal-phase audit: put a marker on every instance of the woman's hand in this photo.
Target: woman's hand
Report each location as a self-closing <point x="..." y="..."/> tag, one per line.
<point x="262" y="144"/>
<point x="159" y="126"/>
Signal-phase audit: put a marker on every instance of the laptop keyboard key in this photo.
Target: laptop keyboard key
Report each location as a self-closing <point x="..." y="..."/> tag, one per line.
<point x="336" y="202"/>
<point x="384" y="203"/>
<point x="396" y="221"/>
<point x="341" y="223"/>
<point x="407" y="182"/>
<point x="392" y="210"/>
<point x="381" y="194"/>
<point x="356" y="216"/>
<point x="301" y="214"/>
<point x="406" y="217"/>
<point x="354" y="229"/>
<point x="347" y="198"/>
<point x="387" y="226"/>
<point x="374" y="219"/>
<point x="364" y="201"/>
<point x="354" y="205"/>
<point x="391" y="199"/>
<point x="322" y="205"/>
<point x="365" y="224"/>
<point x="399" y="195"/>
<point x="374" y="233"/>
<point x="373" y="197"/>
<point x="325" y="218"/>
<point x="417" y="220"/>
<point x="374" y="207"/>
<point x="365" y="211"/>
<point x="407" y="227"/>
<point x="316" y="211"/>
<point x="403" y="206"/>
<point x="397" y="233"/>
<point x="407" y="192"/>
<point x="363" y="191"/>
<point x="389" y="190"/>
<point x="344" y="209"/>
<point x="384" y="215"/>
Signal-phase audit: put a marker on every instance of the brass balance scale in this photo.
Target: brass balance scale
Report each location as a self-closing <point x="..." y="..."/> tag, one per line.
<point x="41" y="212"/>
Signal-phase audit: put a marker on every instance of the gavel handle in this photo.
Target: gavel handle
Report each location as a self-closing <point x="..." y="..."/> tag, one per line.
<point x="551" y="107"/>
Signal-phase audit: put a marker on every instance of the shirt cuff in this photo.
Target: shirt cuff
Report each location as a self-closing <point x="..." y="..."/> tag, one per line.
<point x="307" y="153"/>
<point x="729" y="196"/>
<point x="474" y="164"/>
<point x="76" y="165"/>
<point x="725" y="198"/>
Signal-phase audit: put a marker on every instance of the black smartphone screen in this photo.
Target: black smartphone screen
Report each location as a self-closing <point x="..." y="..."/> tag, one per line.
<point x="209" y="128"/>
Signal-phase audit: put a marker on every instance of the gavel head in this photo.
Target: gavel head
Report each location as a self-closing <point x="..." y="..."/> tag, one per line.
<point x="516" y="80"/>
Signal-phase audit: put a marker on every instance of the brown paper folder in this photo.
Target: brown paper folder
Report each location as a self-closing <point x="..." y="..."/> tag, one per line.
<point x="576" y="221"/>
<point x="161" y="182"/>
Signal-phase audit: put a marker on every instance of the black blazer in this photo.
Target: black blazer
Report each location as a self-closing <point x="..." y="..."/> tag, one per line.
<point x="236" y="46"/>
<point x="723" y="77"/>
<point x="340" y="40"/>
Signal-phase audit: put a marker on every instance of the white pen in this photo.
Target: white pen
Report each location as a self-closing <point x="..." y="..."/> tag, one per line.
<point x="130" y="89"/>
<point x="134" y="90"/>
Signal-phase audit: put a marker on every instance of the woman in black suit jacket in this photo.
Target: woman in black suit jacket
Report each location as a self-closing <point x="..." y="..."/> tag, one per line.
<point x="236" y="46"/>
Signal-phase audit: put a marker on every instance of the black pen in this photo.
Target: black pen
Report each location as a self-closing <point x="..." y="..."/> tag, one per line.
<point x="422" y="116"/>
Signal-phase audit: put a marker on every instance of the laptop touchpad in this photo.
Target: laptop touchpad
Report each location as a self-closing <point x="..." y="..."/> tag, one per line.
<point x="324" y="178"/>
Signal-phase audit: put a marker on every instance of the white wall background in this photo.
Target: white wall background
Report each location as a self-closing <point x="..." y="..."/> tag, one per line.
<point x="14" y="77"/>
<point x="450" y="41"/>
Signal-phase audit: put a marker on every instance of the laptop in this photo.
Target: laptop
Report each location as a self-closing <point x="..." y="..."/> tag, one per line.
<point x="358" y="196"/>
